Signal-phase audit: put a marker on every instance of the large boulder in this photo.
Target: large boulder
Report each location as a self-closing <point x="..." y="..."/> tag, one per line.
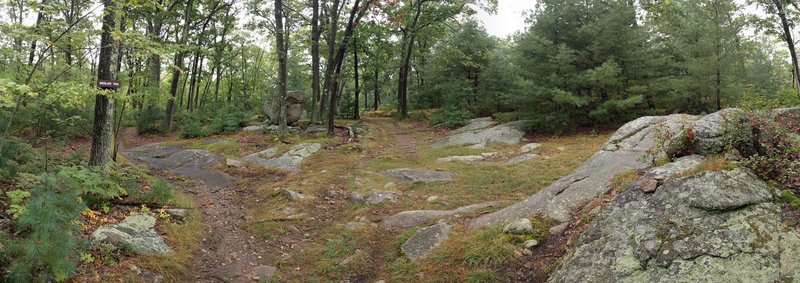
<point x="710" y="227"/>
<point x="628" y="149"/>
<point x="136" y="233"/>
<point x="714" y="132"/>
<point x="509" y="133"/>
<point x="295" y="105"/>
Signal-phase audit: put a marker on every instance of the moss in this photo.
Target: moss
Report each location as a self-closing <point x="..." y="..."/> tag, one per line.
<point x="790" y="198"/>
<point x="623" y="180"/>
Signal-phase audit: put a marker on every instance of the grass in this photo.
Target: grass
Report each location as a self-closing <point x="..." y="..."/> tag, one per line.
<point x="710" y="164"/>
<point x="468" y="256"/>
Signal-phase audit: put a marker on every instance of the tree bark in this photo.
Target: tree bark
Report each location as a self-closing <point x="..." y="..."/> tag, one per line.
<point x="405" y="65"/>
<point x="102" y="129"/>
<point x="356" y="109"/>
<point x="377" y="91"/>
<point x="279" y="33"/>
<point x="355" y="16"/>
<point x="787" y="36"/>
<point x="315" y="35"/>
<point x="176" y="73"/>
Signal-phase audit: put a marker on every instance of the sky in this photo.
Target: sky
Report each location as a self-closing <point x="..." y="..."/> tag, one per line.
<point x="510" y="17"/>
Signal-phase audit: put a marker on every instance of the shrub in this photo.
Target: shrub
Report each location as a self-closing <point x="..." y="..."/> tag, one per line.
<point x="14" y="158"/>
<point x="149" y="120"/>
<point x="451" y="118"/>
<point x="48" y="245"/>
<point x="778" y="157"/>
<point x="192" y="129"/>
<point x="160" y="193"/>
<point x="94" y="187"/>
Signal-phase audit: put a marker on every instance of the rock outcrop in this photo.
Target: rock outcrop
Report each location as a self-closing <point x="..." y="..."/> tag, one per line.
<point x="289" y="161"/>
<point x="412" y="176"/>
<point x="136" y="233"/>
<point x="710" y="227"/>
<point x="477" y="134"/>
<point x="295" y="105"/>
<point x="193" y="163"/>
<point x="425" y="241"/>
<point x="414" y="218"/>
<point x="626" y="150"/>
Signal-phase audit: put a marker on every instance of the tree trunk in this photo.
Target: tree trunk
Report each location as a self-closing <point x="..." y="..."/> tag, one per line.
<point x="377" y="91"/>
<point x="315" y="35"/>
<point x="279" y="33"/>
<point x="355" y="16"/>
<point x="176" y="73"/>
<point x="39" y="18"/>
<point x="192" y="82"/>
<point x="356" y="110"/>
<point x="102" y="129"/>
<point x="787" y="36"/>
<point x="330" y="64"/>
<point x="405" y="65"/>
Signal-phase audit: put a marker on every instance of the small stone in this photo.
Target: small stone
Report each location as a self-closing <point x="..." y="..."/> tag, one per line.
<point x="733" y="155"/>
<point x="488" y="154"/>
<point x="647" y="185"/>
<point x="265" y="271"/>
<point x="292" y="195"/>
<point x="559" y="229"/>
<point x="433" y="198"/>
<point x="529" y="147"/>
<point x="389" y="185"/>
<point x="355" y="225"/>
<point x="521" y="158"/>
<point x="234" y="163"/>
<point x="530" y="244"/>
<point x="382" y="197"/>
<point x="519" y="227"/>
<point x="176" y="213"/>
<point x="561" y="148"/>
<point x="356" y="197"/>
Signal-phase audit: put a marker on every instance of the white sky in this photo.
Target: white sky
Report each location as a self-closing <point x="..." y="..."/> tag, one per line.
<point x="510" y="17"/>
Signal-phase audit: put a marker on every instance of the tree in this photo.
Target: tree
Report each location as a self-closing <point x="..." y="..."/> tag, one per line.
<point x="102" y="129"/>
<point x="282" y="48"/>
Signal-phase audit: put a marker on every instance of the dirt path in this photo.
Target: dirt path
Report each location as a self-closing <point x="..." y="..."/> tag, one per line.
<point x="228" y="253"/>
<point x="404" y="139"/>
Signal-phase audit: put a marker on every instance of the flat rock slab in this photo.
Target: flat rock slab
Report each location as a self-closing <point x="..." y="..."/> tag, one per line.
<point x="711" y="227"/>
<point x="192" y="163"/>
<point x="461" y="158"/>
<point x="521" y="158"/>
<point x="413" y="176"/>
<point x="509" y="133"/>
<point x="415" y="218"/>
<point x="136" y="233"/>
<point x="475" y="124"/>
<point x="624" y="151"/>
<point x="425" y="241"/>
<point x="289" y="161"/>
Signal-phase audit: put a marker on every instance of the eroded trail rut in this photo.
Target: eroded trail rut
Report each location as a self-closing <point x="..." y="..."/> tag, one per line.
<point x="228" y="252"/>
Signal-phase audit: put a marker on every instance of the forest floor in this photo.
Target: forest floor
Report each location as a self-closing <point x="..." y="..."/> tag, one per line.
<point x="249" y="228"/>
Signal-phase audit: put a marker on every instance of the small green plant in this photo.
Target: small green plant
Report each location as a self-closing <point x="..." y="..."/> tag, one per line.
<point x="47" y="246"/>
<point x="94" y="186"/>
<point x="790" y="198"/>
<point x="161" y="192"/>
<point x="451" y="118"/>
<point x="16" y="198"/>
<point x="193" y="129"/>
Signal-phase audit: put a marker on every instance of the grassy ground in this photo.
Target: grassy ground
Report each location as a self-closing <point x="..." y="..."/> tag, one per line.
<point x="317" y="248"/>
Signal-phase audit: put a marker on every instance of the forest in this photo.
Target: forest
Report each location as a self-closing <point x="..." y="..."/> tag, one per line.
<point x="83" y="81"/>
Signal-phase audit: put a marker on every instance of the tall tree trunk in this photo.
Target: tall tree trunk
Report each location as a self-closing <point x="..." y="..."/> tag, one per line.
<point x="356" y="110"/>
<point x="39" y="19"/>
<point x="102" y="129"/>
<point x="787" y="36"/>
<point x="315" y="35"/>
<point x="356" y="13"/>
<point x="176" y="73"/>
<point x="279" y="33"/>
<point x="193" y="82"/>
<point x="377" y="91"/>
<point x="405" y="64"/>
<point x="330" y="64"/>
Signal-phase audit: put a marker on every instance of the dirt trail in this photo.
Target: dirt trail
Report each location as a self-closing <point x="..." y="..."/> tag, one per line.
<point x="404" y="139"/>
<point x="228" y="252"/>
